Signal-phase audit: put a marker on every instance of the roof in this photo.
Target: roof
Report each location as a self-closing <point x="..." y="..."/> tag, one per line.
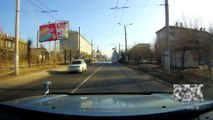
<point x="182" y="28"/>
<point x="12" y="38"/>
<point x="142" y="45"/>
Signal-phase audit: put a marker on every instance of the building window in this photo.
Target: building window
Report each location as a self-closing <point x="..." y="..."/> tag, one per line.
<point x="20" y="46"/>
<point x="12" y="45"/>
<point x="9" y="44"/>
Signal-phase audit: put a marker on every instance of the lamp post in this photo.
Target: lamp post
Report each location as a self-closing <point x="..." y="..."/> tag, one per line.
<point x="125" y="39"/>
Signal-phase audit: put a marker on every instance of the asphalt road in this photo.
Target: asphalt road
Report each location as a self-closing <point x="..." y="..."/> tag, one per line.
<point x="99" y="78"/>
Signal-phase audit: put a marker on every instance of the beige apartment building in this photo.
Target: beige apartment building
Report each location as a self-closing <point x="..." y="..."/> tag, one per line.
<point x="188" y="47"/>
<point x="75" y="46"/>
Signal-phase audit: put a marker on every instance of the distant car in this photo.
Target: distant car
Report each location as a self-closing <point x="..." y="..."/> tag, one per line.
<point x="78" y="65"/>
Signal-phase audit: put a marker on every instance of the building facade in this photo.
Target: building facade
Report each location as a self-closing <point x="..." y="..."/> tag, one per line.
<point x="188" y="47"/>
<point x="39" y="55"/>
<point x="140" y="52"/>
<point x="77" y="44"/>
<point x="7" y="48"/>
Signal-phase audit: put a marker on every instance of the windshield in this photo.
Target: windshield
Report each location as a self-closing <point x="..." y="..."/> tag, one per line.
<point x="129" y="46"/>
<point x="76" y="62"/>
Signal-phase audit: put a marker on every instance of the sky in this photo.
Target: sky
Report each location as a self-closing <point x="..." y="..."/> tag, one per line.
<point x="99" y="21"/>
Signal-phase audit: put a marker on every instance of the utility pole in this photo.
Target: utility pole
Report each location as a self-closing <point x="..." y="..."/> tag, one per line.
<point x="79" y="40"/>
<point x="167" y="40"/>
<point x="37" y="38"/>
<point x="50" y="46"/>
<point x="55" y="54"/>
<point x="125" y="40"/>
<point x="119" y="48"/>
<point x="210" y="56"/>
<point x="17" y="37"/>
<point x="125" y="44"/>
<point x="55" y="51"/>
<point x="91" y="48"/>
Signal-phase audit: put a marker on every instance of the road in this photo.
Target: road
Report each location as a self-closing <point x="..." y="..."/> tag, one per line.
<point x="99" y="78"/>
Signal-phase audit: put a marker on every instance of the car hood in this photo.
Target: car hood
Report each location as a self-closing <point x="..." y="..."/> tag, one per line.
<point x="102" y="105"/>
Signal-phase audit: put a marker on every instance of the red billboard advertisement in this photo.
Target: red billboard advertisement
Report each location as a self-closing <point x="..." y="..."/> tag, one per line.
<point x="54" y="31"/>
<point x="47" y="32"/>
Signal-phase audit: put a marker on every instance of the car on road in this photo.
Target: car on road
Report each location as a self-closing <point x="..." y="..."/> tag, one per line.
<point x="77" y="65"/>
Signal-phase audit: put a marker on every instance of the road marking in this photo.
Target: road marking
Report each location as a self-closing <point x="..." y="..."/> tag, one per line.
<point x="86" y="79"/>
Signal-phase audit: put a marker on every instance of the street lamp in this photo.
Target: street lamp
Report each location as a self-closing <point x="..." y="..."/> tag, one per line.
<point x="125" y="38"/>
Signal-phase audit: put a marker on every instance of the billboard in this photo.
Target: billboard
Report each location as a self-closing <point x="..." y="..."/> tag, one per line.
<point x="62" y="30"/>
<point x="54" y="31"/>
<point x="47" y="32"/>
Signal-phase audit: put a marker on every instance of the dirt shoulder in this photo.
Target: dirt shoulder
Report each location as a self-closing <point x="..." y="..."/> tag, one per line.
<point x="7" y="72"/>
<point x="178" y="76"/>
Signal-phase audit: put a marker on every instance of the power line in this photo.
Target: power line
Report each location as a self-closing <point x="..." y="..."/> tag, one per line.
<point x="146" y="4"/>
<point x="146" y="17"/>
<point x="42" y="9"/>
<point x="115" y="19"/>
<point x="50" y="10"/>
<point x="116" y="8"/>
<point x="123" y="11"/>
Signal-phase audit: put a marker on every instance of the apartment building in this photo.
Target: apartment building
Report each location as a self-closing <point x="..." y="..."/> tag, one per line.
<point x="188" y="47"/>
<point x="7" y="48"/>
<point x="76" y="43"/>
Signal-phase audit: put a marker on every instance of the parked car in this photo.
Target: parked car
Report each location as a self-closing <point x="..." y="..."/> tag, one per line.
<point x="77" y="65"/>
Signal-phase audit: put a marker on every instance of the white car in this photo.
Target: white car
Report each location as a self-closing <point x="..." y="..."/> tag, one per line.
<point x="78" y="65"/>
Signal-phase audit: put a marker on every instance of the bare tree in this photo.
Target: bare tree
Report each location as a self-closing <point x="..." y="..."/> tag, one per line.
<point x="191" y="22"/>
<point x="140" y="52"/>
<point x="65" y="56"/>
<point x="1" y="30"/>
<point x="186" y="39"/>
<point x="70" y="55"/>
<point x="29" y="44"/>
<point x="158" y="49"/>
<point x="210" y="28"/>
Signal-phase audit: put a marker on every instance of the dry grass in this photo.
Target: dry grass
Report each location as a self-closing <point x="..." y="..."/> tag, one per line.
<point x="7" y="71"/>
<point x="177" y="76"/>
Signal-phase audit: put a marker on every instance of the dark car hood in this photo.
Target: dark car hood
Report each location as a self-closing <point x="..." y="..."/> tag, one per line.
<point x="102" y="105"/>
